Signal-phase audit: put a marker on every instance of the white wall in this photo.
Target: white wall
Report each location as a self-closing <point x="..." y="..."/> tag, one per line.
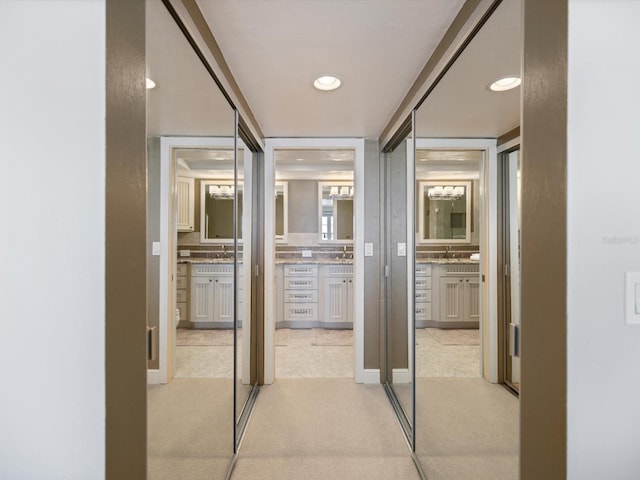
<point x="603" y="423"/>
<point x="52" y="188"/>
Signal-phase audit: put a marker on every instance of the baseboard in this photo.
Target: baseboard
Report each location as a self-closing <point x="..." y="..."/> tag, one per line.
<point x="401" y="375"/>
<point x="371" y="375"/>
<point x="153" y="376"/>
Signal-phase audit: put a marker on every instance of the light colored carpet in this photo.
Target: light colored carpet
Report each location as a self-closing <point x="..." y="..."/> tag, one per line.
<point x="320" y="429"/>
<point x="435" y="359"/>
<point x="455" y="336"/>
<point x="466" y="429"/>
<point x="190" y="429"/>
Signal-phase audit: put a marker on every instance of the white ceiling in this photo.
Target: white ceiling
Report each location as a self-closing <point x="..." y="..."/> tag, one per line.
<point x="276" y="48"/>
<point x="461" y="105"/>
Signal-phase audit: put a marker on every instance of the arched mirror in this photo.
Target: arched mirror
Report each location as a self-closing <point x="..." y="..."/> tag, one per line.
<point x="466" y="423"/>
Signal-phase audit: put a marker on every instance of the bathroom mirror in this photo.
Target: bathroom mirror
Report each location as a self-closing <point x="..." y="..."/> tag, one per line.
<point x="217" y="208"/>
<point x="335" y="215"/>
<point x="281" y="211"/>
<point x="444" y="212"/>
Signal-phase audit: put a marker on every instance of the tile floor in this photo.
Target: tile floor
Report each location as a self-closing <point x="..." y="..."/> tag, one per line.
<point x="318" y="353"/>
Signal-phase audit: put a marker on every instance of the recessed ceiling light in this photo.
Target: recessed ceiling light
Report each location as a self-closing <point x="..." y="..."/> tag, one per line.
<point x="505" y="83"/>
<point x="326" y="82"/>
<point x="150" y="84"/>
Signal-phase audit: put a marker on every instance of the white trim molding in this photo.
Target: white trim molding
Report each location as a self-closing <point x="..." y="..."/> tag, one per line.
<point x="371" y="375"/>
<point x="401" y="375"/>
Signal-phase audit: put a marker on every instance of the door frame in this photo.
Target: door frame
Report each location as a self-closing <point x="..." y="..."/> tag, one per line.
<point x="271" y="144"/>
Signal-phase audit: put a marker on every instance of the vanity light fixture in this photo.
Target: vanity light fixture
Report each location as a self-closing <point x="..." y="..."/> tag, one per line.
<point x="221" y="192"/>
<point x="341" y="192"/>
<point x="448" y="192"/>
<point x="327" y="82"/>
<point x="150" y="84"/>
<point x="505" y="83"/>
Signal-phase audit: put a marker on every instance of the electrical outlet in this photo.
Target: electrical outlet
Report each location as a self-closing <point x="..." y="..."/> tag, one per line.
<point x="306" y="253"/>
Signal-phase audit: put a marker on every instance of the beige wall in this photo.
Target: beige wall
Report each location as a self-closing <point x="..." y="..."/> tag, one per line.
<point x="544" y="254"/>
<point x="126" y="239"/>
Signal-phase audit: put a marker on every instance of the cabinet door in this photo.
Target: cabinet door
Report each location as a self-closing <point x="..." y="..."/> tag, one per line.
<point x="472" y="299"/>
<point x="186" y="198"/>
<point x="223" y="299"/>
<point x="335" y="300"/>
<point x="452" y="299"/>
<point x="201" y="299"/>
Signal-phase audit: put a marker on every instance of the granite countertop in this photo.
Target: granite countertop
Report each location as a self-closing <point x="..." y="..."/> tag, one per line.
<point x="447" y="261"/>
<point x="203" y="260"/>
<point x="315" y="261"/>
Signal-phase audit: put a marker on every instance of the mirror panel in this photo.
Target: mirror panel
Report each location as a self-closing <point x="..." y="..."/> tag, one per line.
<point x="335" y="216"/>
<point x="398" y="370"/>
<point x="444" y="212"/>
<point x="190" y="419"/>
<point x="282" y="211"/>
<point x="218" y="200"/>
<point x="453" y="350"/>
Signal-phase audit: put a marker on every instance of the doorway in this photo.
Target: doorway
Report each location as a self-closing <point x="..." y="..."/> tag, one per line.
<point x="314" y="309"/>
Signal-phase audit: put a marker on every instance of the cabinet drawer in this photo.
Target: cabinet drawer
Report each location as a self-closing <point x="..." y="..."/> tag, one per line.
<point x="423" y="311"/>
<point x="301" y="311"/>
<point x="182" y="269"/>
<point x="182" y="282"/>
<point x="300" y="270"/>
<point x="423" y="296"/>
<point x="423" y="270"/>
<point x="181" y="296"/>
<point x="295" y="283"/>
<point x="303" y="296"/>
<point x="224" y="269"/>
<point x="423" y="283"/>
<point x="338" y="270"/>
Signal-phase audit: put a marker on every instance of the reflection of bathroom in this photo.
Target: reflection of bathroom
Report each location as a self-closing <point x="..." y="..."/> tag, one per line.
<point x="206" y="200"/>
<point x="314" y="263"/>
<point x="447" y="297"/>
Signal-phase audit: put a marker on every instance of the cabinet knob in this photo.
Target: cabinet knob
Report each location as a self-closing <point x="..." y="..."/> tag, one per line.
<point x="210" y="280"/>
<point x="460" y="280"/>
<point x="344" y="281"/>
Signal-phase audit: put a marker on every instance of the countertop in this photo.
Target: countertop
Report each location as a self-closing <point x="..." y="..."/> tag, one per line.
<point x="326" y="261"/>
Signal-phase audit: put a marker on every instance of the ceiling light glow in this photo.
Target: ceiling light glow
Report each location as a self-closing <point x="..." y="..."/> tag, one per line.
<point x="150" y="84"/>
<point x="326" y="82"/>
<point x="505" y="83"/>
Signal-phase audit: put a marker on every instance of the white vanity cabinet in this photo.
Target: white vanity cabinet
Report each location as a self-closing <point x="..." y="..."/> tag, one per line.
<point x="459" y="296"/>
<point x="212" y="295"/>
<point x="300" y="287"/>
<point x="337" y="296"/>
<point x="423" y="304"/>
<point x="186" y="204"/>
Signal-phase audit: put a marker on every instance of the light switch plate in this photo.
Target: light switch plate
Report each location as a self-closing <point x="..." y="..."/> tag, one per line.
<point x="155" y="248"/>
<point x="632" y="298"/>
<point x="306" y="253"/>
<point x="368" y="249"/>
<point x="185" y="253"/>
<point x="402" y="249"/>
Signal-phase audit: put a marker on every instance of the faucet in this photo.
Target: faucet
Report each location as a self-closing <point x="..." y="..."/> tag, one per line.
<point x="224" y="251"/>
<point x="344" y="252"/>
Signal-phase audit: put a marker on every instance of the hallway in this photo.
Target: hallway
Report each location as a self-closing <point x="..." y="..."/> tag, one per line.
<point x="319" y="429"/>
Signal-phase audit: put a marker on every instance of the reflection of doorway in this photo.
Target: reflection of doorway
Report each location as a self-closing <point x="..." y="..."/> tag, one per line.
<point x="510" y="221"/>
<point x="448" y="315"/>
